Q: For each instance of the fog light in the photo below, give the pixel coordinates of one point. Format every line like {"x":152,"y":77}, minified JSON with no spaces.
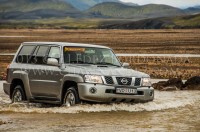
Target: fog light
{"x":151,"y":93}
{"x":93,"y":90}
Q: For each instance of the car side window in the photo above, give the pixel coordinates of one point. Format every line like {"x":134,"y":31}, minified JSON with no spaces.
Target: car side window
{"x":40,"y":55}
{"x":42,"y":51}
{"x":25,"y":54}
{"x":54,"y":53}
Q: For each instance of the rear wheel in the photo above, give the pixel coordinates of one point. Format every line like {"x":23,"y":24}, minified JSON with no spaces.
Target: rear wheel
{"x":18,"y":94}
{"x":71,"y":97}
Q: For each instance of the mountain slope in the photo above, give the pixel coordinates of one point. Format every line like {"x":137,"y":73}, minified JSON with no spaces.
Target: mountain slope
{"x":31,"y":5}
{"x":182,"y":22}
{"x":193,"y":10}
{"x":86,"y":4}
{"x":119,"y":10}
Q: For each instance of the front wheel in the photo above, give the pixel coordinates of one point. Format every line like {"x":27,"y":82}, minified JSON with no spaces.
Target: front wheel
{"x":71,"y":97}
{"x":18,"y":94}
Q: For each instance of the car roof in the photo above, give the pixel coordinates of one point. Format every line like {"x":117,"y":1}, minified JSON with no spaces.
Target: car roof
{"x":65,"y":44}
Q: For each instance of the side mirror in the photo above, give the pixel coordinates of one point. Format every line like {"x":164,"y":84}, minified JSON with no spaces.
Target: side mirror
{"x":52,"y":61}
{"x":125,"y":65}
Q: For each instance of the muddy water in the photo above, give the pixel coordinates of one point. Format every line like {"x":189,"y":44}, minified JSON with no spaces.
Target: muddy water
{"x":170,"y":111}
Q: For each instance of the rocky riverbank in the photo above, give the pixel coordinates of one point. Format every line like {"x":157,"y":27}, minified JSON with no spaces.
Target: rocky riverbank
{"x":177,"y":84}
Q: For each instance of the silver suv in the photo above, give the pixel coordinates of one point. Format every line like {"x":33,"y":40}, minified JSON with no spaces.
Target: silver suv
{"x":68,"y":73}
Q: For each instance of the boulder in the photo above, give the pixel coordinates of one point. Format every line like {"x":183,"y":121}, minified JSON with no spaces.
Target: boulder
{"x":192,"y":84}
{"x":193,"y":80}
{"x":159,"y":85}
{"x":170,"y":85}
{"x":174,"y":82}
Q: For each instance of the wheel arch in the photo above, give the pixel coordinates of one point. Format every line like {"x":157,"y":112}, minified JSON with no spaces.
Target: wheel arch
{"x":66,"y":85}
{"x":22,"y":76}
{"x":15,"y":82}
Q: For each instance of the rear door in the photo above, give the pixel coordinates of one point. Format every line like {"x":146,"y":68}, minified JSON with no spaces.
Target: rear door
{"x":37,"y":64}
{"x":51,"y":76}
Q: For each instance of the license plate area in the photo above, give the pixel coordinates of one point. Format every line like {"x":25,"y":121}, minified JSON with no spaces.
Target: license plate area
{"x":126,"y":91}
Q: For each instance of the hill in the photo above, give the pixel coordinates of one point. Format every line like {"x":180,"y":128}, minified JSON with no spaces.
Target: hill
{"x":119,"y":10}
{"x":31,"y":5}
{"x":86,"y":4}
{"x":181,"y":22}
{"x":193,"y":10}
{"x":34,"y":9}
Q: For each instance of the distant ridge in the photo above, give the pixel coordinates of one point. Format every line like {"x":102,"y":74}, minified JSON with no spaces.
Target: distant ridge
{"x":31,"y":5}
{"x":193,"y":10}
{"x":86,"y":4}
{"x":119,"y":10}
{"x":36,"y":9}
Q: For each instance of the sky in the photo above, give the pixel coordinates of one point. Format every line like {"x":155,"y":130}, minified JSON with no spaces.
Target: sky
{"x":175,"y":3}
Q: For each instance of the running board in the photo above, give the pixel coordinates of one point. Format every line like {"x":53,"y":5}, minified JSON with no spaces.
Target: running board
{"x":41,"y":99}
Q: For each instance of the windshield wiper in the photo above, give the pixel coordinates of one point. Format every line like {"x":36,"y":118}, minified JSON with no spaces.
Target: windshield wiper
{"x":106,"y":63}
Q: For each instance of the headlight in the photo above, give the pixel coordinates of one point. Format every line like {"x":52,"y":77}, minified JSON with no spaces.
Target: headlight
{"x":93,"y":79}
{"x":146,"y":82}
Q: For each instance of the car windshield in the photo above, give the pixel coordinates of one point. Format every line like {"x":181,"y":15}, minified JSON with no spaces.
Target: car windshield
{"x":90,"y":55}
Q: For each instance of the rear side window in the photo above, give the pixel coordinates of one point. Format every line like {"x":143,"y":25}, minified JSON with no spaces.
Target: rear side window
{"x":42,"y":51}
{"x":26,"y":50}
{"x":40,"y":55}
{"x":24,"y":54}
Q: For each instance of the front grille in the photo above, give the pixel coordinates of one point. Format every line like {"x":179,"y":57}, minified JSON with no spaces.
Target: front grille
{"x":137,"y":81}
{"x":109,"y":80}
{"x":124,"y":81}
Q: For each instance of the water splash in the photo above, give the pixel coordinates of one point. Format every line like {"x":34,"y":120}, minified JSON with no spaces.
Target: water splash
{"x":163,"y":100}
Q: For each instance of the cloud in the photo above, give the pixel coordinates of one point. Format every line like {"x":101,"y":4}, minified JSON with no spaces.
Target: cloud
{"x":175,"y":3}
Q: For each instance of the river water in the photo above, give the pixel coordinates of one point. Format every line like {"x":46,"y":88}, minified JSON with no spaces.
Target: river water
{"x":170,"y":111}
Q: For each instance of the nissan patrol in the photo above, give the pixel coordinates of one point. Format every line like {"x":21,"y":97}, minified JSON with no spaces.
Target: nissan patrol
{"x":68,"y":73}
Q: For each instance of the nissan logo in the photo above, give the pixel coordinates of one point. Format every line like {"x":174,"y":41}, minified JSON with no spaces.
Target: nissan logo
{"x":124,"y":81}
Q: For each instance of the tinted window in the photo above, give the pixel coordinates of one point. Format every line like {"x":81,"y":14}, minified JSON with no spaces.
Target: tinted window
{"x":26,"y":50}
{"x":39,"y":56}
{"x":42,"y":51}
{"x":24,"y":54}
{"x":35,"y":52}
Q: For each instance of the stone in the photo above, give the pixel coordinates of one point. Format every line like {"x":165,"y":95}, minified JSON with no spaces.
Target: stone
{"x":192,"y":84}
{"x":172,"y":84}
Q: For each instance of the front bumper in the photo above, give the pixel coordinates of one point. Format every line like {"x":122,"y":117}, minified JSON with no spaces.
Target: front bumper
{"x":6,"y":88}
{"x":104,"y":93}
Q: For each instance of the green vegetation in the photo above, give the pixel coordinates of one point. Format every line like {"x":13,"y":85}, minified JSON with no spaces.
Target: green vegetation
{"x":52,"y":23}
{"x":181,"y":22}
{"x":188,"y":21}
